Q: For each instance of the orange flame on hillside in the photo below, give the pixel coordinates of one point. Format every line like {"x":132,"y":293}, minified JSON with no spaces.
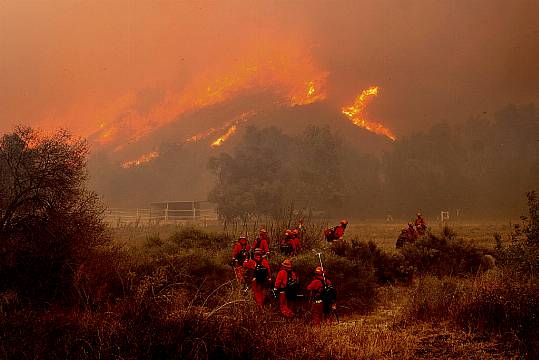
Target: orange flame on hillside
{"x":145,"y":158}
{"x":231,"y":130}
{"x":356,"y":114}
{"x":234,"y":122}
{"x":290,"y":75}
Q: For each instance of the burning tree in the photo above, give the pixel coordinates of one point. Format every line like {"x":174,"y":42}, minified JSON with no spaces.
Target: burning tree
{"x":48,"y":220}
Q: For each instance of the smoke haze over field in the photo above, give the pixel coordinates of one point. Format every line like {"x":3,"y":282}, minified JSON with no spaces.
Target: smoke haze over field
{"x":81,"y":64}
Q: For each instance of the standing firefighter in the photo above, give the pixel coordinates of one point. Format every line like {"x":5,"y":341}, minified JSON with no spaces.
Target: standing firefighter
{"x":285,"y":243}
{"x":420,"y":225}
{"x":258,"y":275}
{"x":295,"y":242}
{"x":240,"y":253}
{"x":261,"y":243}
{"x":323,"y":296}
{"x":286,"y":287}
{"x":412,"y":234}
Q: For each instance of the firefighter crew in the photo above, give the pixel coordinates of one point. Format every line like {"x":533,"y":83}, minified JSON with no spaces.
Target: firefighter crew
{"x":316,"y":287}
{"x":240,"y":253}
{"x":286,"y":284}
{"x":258,"y":275}
{"x":261,"y":243}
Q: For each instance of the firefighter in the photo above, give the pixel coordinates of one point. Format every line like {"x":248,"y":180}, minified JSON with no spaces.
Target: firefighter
{"x":261,"y":243}
{"x":322,"y":296}
{"x":338,"y":231}
{"x":284,"y":245}
{"x":412,"y":234}
{"x":263,"y":234}
{"x":240,"y":253}
{"x":286,"y":287}
{"x":295,"y":242}
{"x":420,"y":225}
{"x":258,"y":275}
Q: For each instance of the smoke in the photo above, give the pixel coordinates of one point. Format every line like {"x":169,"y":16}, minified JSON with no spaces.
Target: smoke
{"x":87,"y":65}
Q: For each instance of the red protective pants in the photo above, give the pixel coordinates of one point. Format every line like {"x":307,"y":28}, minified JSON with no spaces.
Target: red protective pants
{"x":317,"y":313}
{"x":259,"y":293}
{"x":238,"y":270}
{"x":283,"y":305}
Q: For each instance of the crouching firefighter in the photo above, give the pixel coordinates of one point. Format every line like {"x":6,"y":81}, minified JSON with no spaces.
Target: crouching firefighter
{"x":258,"y":276}
{"x":323,"y":296}
{"x":286,"y":287}
{"x":240,"y":254}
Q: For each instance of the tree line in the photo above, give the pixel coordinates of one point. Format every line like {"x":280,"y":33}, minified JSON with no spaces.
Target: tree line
{"x":482,"y":167}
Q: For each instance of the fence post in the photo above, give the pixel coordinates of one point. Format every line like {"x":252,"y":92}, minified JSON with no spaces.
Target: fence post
{"x":166,"y":213}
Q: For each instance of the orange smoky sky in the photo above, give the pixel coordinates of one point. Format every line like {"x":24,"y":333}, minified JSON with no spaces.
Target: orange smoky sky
{"x":80,"y":65}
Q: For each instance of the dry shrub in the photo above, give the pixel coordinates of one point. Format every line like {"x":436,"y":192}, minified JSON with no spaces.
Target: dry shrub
{"x":443,"y":256}
{"x":495,"y":302}
{"x":191,"y":237}
{"x":388,"y":268}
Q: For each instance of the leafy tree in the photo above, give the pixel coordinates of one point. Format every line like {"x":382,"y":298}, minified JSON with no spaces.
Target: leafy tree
{"x":49,"y":222}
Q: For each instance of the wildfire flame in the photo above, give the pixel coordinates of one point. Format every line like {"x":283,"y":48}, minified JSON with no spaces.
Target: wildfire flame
{"x":234,"y":122}
{"x":231,"y":130}
{"x":356,"y":114}
{"x":141,"y":160}
{"x":288,"y":73}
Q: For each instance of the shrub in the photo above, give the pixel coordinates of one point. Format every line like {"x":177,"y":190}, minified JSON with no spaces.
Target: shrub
{"x":492,"y":303}
{"x":192,"y":237}
{"x":388,"y":268}
{"x":443,"y":255}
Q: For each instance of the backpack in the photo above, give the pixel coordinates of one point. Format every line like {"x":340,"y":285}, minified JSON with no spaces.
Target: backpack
{"x":261,"y":273}
{"x":328,"y":295}
{"x":329,"y":234}
{"x":243,"y":254}
{"x":292,"y":287}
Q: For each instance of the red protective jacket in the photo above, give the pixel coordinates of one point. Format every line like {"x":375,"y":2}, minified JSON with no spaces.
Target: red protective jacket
{"x":282,"y":278}
{"x":338,"y":231}
{"x":261,"y":244}
{"x":238,"y":247}
{"x":316,"y":286}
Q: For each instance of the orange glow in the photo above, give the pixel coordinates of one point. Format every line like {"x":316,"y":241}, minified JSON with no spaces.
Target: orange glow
{"x":225,"y":137}
{"x":288,"y":74}
{"x":356,"y":113}
{"x":145,"y":158}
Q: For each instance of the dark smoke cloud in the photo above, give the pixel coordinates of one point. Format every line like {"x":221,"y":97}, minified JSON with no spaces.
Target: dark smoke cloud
{"x":73,"y":64}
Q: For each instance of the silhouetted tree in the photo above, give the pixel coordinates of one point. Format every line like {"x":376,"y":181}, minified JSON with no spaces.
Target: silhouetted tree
{"x":48,"y":220}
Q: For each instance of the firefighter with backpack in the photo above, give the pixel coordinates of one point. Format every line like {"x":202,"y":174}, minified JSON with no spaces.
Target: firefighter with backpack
{"x":286,"y":287}
{"x":240,"y":254}
{"x":285,"y":243}
{"x":323,"y":296}
{"x":337,"y":233}
{"x":257,"y":275}
{"x":261,"y":243}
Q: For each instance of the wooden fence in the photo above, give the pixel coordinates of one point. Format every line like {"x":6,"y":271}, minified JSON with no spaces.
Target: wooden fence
{"x":145,"y":217}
